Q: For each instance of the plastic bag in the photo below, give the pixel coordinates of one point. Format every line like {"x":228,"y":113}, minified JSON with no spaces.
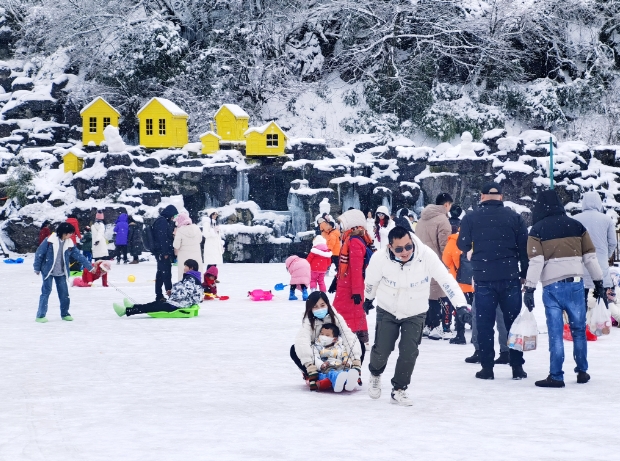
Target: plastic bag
{"x":600,"y":319}
{"x":524,"y":332}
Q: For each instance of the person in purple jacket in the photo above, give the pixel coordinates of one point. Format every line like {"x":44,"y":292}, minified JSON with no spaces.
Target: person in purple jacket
{"x":121,"y":229}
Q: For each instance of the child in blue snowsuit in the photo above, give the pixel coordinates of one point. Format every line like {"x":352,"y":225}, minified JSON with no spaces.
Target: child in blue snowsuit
{"x":334,"y":366}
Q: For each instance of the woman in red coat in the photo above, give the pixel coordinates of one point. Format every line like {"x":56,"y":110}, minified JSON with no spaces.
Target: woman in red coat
{"x":45,"y":231}
{"x":102,"y":269}
{"x":350,"y":285}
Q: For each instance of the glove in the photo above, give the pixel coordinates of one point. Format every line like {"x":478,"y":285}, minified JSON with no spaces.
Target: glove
{"x":368,"y":306}
{"x":332,"y":287}
{"x":600,"y":292}
{"x":357,"y":365}
{"x":357,"y":299}
{"x":528,"y":298}
{"x":463,"y":314}
{"x":312,"y":372}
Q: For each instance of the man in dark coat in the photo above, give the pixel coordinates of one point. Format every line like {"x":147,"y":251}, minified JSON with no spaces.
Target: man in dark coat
{"x":163,"y":236}
{"x":134,"y":240}
{"x":498,"y":237}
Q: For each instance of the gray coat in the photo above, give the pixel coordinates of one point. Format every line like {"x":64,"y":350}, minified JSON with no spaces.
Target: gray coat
{"x":602,"y":232}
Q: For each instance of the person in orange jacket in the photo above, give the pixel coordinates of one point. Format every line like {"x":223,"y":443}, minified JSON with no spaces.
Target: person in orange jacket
{"x":332,"y":238}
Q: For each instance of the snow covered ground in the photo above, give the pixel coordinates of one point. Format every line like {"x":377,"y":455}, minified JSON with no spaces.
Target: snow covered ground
{"x":222,"y":387}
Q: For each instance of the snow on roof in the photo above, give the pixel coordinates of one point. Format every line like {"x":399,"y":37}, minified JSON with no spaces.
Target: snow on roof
{"x":99,"y":98}
{"x":209,"y":133}
{"x":262,"y":129}
{"x":235,"y":110}
{"x":75,"y":151}
{"x":171,"y":107}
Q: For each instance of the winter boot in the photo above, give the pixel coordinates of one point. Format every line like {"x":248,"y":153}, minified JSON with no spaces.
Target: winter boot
{"x":518,"y":372}
{"x":503,"y":359}
{"x":549,"y":382}
{"x":292,"y":296}
{"x":374,"y":388}
{"x":120,"y":310}
{"x":127,"y":303}
{"x":485,"y":373}
{"x":459,"y":339}
{"x":41,"y":320}
{"x":341,"y":380}
{"x":353,"y":376}
{"x":67,"y":318}
{"x":324,"y":385}
{"x":400,"y":397}
{"x":304,"y":294}
{"x":474,"y":358}
{"x":583,"y":377}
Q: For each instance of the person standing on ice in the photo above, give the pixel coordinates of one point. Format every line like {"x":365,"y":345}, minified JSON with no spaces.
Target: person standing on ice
{"x":121,"y":229}
{"x":332,"y":239}
{"x":603,"y":234}
{"x":433,"y":229}
{"x":381,"y":227}
{"x":187,"y":240}
{"x":163,"y":236}
{"x":213,"y":249}
{"x":300,"y":271}
{"x":100,"y":249}
{"x":398,"y":279}
{"x":349,"y":282}
{"x":559,"y":247}
{"x":51,"y":260}
{"x":135,"y":244}
{"x":45,"y":231}
{"x":320,"y":258}
{"x":498,"y":237}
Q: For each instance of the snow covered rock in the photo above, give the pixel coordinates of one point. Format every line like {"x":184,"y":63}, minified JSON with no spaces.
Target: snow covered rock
{"x":22,"y":83}
{"x":308,"y":149}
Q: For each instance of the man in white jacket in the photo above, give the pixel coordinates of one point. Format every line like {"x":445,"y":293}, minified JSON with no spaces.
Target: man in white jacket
{"x":398,"y":278}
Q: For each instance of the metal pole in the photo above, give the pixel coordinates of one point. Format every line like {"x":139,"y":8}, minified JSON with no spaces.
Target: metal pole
{"x":551,"y":161}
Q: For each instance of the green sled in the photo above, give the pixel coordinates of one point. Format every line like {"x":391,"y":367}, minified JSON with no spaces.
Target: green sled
{"x":184,"y":313}
{"x":75,"y":273}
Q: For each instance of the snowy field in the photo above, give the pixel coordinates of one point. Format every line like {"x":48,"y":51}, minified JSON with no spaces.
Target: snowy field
{"x":222,"y":387}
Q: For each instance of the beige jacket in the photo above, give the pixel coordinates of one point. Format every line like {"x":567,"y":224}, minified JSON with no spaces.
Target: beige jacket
{"x":187,"y":240}
{"x":433,"y":229}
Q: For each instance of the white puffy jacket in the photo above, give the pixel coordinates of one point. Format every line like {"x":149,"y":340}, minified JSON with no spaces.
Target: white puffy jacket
{"x":403,"y":290}
{"x":306,"y":338}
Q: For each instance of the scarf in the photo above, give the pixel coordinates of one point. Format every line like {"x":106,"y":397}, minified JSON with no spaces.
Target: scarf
{"x":343,"y":267}
{"x":382,"y":223}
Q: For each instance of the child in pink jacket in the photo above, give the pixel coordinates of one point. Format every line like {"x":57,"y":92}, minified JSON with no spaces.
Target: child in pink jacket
{"x":320,"y":258}
{"x":299,"y":269}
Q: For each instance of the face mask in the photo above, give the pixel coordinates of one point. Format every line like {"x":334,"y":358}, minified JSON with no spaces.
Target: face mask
{"x":325,"y":340}
{"x":320,"y":313}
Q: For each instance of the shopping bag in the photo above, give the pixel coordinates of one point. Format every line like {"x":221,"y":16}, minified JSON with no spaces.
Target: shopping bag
{"x":524,"y":332}
{"x":600,"y":319}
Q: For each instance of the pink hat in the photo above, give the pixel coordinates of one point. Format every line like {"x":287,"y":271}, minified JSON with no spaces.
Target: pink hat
{"x":183,"y":219}
{"x":99,"y":215}
{"x":212,"y":271}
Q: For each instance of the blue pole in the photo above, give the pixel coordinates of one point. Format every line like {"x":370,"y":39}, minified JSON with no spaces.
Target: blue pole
{"x":551,"y":161}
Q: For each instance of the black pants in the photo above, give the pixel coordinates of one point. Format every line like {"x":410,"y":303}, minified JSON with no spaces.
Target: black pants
{"x":301,"y":288}
{"x":155,"y":306}
{"x":435,"y":313}
{"x":164,"y":275}
{"x":301,"y":365}
{"x":121,"y":249}
{"x":336,"y":261}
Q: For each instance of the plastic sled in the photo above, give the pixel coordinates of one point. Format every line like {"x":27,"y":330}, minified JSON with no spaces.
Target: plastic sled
{"x":183,"y":313}
{"x":210,"y":297}
{"x":260,"y":295}
{"x":567,"y":335}
{"x":75,"y":273}
{"x":280,"y":287}
{"x":14,"y":261}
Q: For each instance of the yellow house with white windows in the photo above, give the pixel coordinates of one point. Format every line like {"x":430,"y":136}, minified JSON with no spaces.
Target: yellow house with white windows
{"x":232,"y":122}
{"x":266,"y":140}
{"x":95,"y":117}
{"x":210,"y":142}
{"x":73,"y":160}
{"x":163,"y":124}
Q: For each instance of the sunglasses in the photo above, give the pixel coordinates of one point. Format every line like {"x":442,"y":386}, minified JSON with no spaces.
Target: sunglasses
{"x":407,"y":247}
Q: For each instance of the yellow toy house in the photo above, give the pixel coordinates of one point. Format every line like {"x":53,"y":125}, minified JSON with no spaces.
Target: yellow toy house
{"x":210,"y":142}
{"x":73,"y":160}
{"x":232,"y":121}
{"x":95,"y":117}
{"x":163,"y":124}
{"x":266,"y":140}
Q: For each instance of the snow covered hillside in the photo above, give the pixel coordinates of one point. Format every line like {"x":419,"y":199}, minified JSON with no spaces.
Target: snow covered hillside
{"x":221,"y":386}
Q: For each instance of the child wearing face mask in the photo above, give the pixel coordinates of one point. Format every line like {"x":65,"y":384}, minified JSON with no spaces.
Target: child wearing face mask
{"x":333,"y":361}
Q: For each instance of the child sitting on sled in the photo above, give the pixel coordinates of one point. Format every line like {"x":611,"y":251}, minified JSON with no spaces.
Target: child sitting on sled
{"x":101,"y":272}
{"x":184,"y":294}
{"x":334,"y":368}
{"x":210,"y":283}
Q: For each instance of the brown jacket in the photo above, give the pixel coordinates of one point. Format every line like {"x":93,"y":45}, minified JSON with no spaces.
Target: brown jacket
{"x":433,"y":229}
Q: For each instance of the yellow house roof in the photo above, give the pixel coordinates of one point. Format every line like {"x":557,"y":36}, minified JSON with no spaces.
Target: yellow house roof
{"x":237,"y":111}
{"x":209,"y":133}
{"x":79,"y":153}
{"x":171,"y":107}
{"x":262,"y":129}
{"x":99,"y":98}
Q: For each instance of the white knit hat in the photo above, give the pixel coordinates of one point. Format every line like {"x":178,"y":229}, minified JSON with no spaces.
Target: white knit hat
{"x":352,"y":218}
{"x":319,"y":240}
{"x":383,"y":209}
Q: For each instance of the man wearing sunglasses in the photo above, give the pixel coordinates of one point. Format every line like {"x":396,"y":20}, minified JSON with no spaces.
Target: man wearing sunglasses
{"x":398,"y":280}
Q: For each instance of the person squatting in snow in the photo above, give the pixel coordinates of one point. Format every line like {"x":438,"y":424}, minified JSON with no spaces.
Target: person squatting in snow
{"x":319,"y":313}
{"x":52,"y":261}
{"x":101,"y":269}
{"x":320,"y":259}
{"x":209,"y":283}
{"x":183,"y":294}
{"x":398,"y":280}
{"x":300,"y":271}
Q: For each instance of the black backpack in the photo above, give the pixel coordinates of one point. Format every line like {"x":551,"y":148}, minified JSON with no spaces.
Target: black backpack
{"x":465,"y":273}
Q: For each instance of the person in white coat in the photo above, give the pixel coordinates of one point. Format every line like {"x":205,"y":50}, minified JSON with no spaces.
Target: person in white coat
{"x":213,"y":249}
{"x":100,"y":246}
{"x":398,"y":279}
{"x":380,"y":227}
{"x":187,"y":240}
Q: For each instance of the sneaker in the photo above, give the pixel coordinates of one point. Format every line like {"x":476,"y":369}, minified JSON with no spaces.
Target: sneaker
{"x":583,"y":377}
{"x":518,"y":372}
{"x":485,"y":373}
{"x":426,"y":331}
{"x":341,"y":379}
{"x":67,"y":318}
{"x":549,"y":382}
{"x":41,"y":320}
{"x":503,"y":359}
{"x":292,"y":297}
{"x":127,"y":303}
{"x":400,"y":397}
{"x":120,"y":310}
{"x":353,"y":376}
{"x":474,"y":358}
{"x":374,"y":388}
{"x":459,"y":339}
{"x":437,"y":334}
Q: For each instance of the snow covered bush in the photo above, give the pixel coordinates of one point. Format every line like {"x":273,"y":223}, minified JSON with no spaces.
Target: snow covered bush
{"x":18,"y":185}
{"x":384,"y":126}
{"x":536,"y":103}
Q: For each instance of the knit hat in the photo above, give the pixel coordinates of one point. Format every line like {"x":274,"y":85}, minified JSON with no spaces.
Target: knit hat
{"x":106,"y":266}
{"x":383,"y":209}
{"x":183,"y":219}
{"x":352,"y":218}
{"x":212,"y":271}
{"x":99,"y":215}
{"x":319,"y":240}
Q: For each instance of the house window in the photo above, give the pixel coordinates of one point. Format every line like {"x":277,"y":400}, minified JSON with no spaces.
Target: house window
{"x":149,"y":126}
{"x":272,"y":140}
{"x":106,"y":122}
{"x":93,"y":124}
{"x":162,"y":126}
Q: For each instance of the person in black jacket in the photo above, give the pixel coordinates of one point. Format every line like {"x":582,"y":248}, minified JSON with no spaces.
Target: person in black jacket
{"x":163,"y":236}
{"x":134,"y":240}
{"x":402,"y":220}
{"x":498,"y":237}
{"x":455,"y":218}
